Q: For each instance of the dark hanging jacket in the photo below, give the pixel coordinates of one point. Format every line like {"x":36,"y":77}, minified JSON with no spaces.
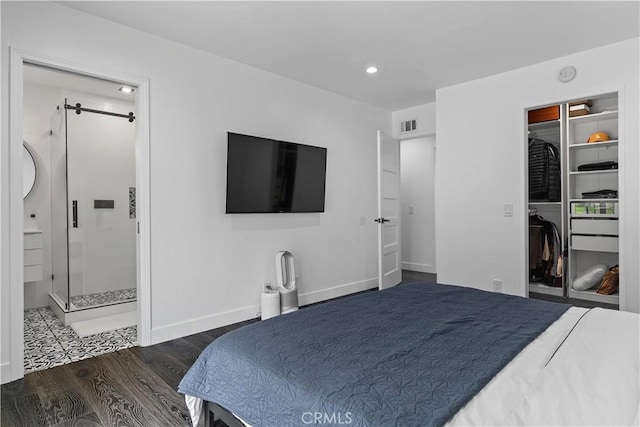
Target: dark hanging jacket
{"x":544,"y":171}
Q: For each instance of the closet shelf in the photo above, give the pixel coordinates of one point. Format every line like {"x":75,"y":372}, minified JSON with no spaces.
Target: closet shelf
{"x":592,"y":295}
{"x":594,"y":144}
{"x":545,"y":125}
{"x":593,"y":200}
{"x":595,"y":116}
{"x":604,"y":171}
{"x":541,"y":288}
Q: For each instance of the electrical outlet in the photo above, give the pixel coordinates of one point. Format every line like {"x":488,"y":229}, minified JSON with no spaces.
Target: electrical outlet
{"x":497,"y":285}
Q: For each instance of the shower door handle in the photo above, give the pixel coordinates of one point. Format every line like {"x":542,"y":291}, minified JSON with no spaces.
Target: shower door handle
{"x":75,"y":213}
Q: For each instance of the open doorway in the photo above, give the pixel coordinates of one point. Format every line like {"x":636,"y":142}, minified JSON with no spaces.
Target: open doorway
{"x":417,"y":160}
{"x":79,"y":218}
{"x":31,"y":219}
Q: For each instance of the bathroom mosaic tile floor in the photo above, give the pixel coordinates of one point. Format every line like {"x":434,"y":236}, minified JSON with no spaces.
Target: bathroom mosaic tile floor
{"x":48,"y":342}
{"x":102,"y":298}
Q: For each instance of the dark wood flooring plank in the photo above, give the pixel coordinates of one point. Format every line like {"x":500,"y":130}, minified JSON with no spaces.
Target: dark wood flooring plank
{"x":18,"y":388}
{"x":218,"y":332}
{"x":86,"y":420}
{"x":417,"y":276}
{"x":59,"y":394}
{"x":111,"y":402}
{"x":188,"y":348}
{"x":154,"y":395}
{"x":167,"y":367}
{"x":181,"y":349}
{"x":23,"y":411}
{"x":200,"y":341}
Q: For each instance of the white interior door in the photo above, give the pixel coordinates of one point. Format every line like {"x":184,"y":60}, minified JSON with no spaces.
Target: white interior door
{"x":389,"y":259}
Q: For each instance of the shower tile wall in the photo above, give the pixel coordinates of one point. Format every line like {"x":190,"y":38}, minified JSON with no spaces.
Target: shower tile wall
{"x":48,"y":343}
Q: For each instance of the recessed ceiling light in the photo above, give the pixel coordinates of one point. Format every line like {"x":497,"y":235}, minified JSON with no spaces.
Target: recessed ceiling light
{"x":126,"y":89}
{"x":372,"y":70}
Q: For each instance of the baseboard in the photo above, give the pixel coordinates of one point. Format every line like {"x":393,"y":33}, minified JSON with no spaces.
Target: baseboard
{"x":337,"y":291}
{"x":194,"y":326}
{"x":201,"y":324}
{"x":422,"y":268}
{"x":5,"y":373}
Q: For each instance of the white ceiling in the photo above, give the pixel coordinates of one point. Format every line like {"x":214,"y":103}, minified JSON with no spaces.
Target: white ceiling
{"x":417,"y":46}
{"x":64,"y":80}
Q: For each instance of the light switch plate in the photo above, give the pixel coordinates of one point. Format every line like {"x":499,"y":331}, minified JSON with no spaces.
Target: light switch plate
{"x":508,"y":210}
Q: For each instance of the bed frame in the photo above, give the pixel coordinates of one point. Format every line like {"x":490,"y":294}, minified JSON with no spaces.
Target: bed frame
{"x":214,"y":412}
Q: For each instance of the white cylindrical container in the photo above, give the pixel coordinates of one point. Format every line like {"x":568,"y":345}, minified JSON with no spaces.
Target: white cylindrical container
{"x":270,"y":304}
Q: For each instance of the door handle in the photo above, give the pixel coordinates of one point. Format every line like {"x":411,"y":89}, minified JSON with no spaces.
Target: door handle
{"x":75,"y":213}
{"x":381,"y":220}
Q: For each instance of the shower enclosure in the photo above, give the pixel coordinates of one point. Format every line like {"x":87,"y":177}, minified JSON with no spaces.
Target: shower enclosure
{"x":92,"y":205}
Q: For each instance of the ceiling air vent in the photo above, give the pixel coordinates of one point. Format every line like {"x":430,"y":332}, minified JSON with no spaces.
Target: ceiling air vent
{"x":408,"y":126}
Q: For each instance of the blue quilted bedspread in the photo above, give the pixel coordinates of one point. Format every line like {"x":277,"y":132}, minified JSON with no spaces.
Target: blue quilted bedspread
{"x":412,"y":355}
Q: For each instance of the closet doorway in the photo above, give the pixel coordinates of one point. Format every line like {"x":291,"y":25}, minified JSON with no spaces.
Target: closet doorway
{"x":575,"y":231}
{"x":417,"y":186}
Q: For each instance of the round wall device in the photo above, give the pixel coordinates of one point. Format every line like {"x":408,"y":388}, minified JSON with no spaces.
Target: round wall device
{"x":567,"y":74}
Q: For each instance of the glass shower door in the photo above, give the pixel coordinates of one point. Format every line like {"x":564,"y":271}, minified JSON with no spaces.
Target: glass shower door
{"x":102,"y":233}
{"x":92,"y":208}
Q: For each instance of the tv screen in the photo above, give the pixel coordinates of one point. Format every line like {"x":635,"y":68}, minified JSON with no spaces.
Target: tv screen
{"x":269,"y":176}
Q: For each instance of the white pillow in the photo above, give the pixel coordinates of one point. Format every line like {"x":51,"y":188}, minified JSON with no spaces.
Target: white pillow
{"x":591,"y":278}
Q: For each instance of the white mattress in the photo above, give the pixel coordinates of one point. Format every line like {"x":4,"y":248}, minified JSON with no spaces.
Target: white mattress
{"x":592,"y":378}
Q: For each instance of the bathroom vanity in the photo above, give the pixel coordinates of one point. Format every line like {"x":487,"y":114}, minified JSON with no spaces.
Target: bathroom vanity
{"x":32,"y":255}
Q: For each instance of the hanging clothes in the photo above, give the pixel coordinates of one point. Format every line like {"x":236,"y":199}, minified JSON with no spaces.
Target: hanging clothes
{"x":545,"y":252}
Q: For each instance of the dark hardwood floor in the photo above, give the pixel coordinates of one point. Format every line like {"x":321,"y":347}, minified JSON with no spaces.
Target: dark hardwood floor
{"x":132,"y":387}
{"x":416,"y":276}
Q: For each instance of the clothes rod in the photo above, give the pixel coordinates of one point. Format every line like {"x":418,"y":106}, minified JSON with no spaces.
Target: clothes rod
{"x":79,"y":108}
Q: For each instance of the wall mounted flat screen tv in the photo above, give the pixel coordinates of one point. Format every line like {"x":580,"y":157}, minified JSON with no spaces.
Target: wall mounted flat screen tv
{"x":270,"y":176}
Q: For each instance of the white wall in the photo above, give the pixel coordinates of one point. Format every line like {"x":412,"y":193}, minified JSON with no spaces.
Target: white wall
{"x":480,"y":165}
{"x":425,"y":115}
{"x":208,"y":267}
{"x":417,"y":160}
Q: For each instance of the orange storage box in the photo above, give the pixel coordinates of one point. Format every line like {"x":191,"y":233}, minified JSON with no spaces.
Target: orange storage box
{"x":544,"y":114}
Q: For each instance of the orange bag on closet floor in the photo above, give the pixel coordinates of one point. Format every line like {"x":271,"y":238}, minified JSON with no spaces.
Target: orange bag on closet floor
{"x":610,"y":281}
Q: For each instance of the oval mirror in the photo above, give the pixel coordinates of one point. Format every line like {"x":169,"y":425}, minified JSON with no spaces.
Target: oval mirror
{"x":28,"y":172}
